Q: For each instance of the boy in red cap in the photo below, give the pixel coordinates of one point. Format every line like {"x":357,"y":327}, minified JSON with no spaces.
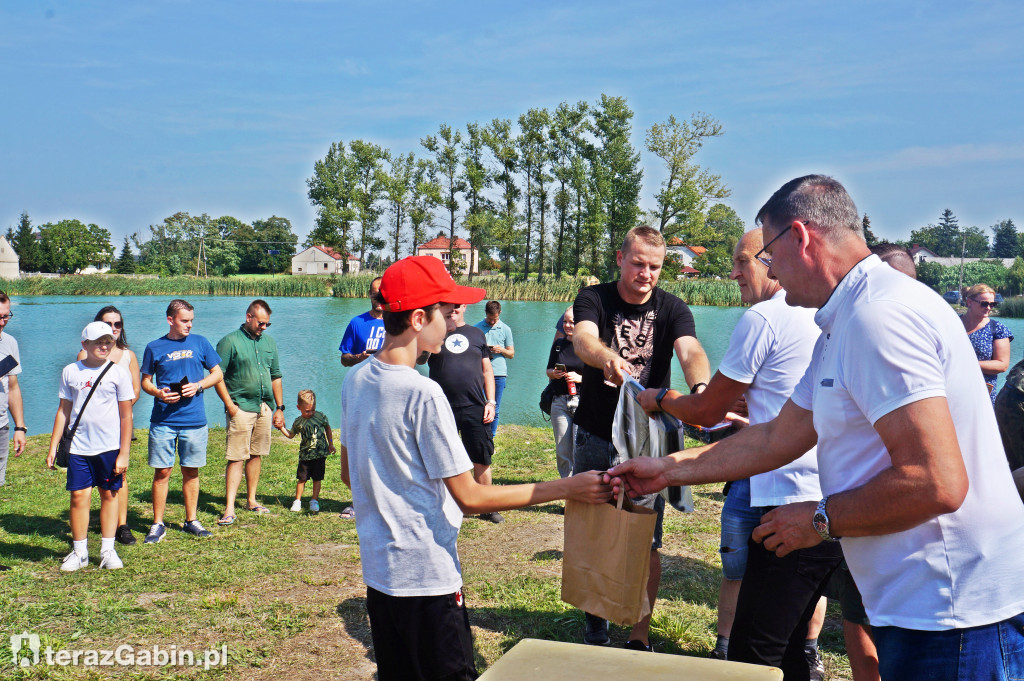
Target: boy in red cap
{"x":412,"y":480}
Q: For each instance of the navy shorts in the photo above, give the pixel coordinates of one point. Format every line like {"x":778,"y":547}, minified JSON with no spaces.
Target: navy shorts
{"x":93,"y":471}
{"x":311,"y":469}
{"x":476,"y":435}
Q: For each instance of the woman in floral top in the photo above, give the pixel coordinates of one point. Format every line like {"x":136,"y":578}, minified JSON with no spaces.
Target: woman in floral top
{"x":990,"y":338}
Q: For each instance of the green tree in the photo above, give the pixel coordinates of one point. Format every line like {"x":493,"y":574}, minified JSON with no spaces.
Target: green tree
{"x":1015,"y":277}
{"x":479,"y":217}
{"x":445,"y":148}
{"x":1005,"y":242}
{"x":498,"y":138}
{"x":869,"y":236}
{"x":272,"y":234}
{"x":715,"y":262}
{"x":425,"y":197}
{"x":686,"y":191}
{"x":398,"y":188}
{"x":367,"y":161}
{"x":724,"y":221}
{"x":126,"y":261}
{"x":533,"y":160}
{"x":69,"y":246}
{"x":973,"y":243}
{"x":979,"y":272}
{"x":943,"y":239}
{"x":930,"y":273}
{"x":616,"y":170}
{"x":332,"y":189}
{"x":565,"y":134}
{"x":27,"y":246}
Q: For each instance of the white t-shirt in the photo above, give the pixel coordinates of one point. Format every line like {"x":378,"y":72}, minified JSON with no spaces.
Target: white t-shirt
{"x":8,"y":346}
{"x":770,"y":349}
{"x":100,"y":428}
{"x":402,"y":442}
{"x":888,"y":341}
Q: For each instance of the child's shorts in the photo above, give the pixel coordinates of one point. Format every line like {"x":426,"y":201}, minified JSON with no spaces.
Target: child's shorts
{"x":311,"y":470}
{"x":93,"y":471}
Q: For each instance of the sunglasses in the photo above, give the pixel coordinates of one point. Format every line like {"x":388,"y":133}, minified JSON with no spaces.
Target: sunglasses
{"x":116,"y":325}
{"x":985,"y":303}
{"x":762,"y":255}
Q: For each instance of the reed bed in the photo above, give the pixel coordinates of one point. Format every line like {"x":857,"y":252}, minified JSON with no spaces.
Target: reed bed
{"x":113,"y":285}
{"x":1012,"y":307}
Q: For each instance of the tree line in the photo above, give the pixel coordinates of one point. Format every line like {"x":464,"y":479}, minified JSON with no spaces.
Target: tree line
{"x":553,"y":191}
{"x":181,"y":244}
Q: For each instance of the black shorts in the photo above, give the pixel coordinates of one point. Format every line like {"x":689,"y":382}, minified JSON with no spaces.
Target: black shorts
{"x":420,"y":637}
{"x":476,"y":435}
{"x":310,"y":470}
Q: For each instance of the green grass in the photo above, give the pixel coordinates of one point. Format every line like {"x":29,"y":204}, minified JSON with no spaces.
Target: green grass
{"x":114,"y":285}
{"x":284,"y":592}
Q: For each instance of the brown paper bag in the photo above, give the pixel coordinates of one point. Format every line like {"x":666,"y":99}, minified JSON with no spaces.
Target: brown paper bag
{"x":607,"y":559}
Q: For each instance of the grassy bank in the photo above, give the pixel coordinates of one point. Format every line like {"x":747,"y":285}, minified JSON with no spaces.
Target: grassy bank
{"x":114,"y":285}
{"x":284,"y":592}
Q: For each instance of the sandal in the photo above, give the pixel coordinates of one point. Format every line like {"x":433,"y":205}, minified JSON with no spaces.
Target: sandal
{"x":259,"y":510}
{"x":348,"y":514}
{"x":226,"y":520}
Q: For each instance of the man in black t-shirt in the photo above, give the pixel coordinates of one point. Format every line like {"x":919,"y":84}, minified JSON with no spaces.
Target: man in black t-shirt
{"x":630,"y":327}
{"x":463,"y":370}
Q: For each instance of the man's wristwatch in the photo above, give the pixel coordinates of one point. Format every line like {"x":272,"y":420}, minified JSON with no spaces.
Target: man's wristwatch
{"x":821,"y":522}
{"x":280,"y":407}
{"x":492,"y":402}
{"x":660,"y":397}
{"x":694,"y":387}
{"x":22,"y":429}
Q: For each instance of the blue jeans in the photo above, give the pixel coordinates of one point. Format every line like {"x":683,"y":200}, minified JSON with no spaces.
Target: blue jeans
{"x":994,"y":652}
{"x":499,"y":388}
{"x":738,"y":522}
{"x":190,"y":444}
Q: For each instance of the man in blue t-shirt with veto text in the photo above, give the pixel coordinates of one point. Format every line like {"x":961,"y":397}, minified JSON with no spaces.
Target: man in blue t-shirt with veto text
{"x":364,"y":333}
{"x":172,"y":372}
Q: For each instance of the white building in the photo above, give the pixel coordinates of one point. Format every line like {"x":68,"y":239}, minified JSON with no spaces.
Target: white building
{"x":439,"y":249}
{"x":323,"y":260}
{"x":9,"y":262}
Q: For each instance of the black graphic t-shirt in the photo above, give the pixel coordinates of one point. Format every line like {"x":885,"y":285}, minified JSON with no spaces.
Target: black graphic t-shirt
{"x":458,"y":368}
{"x":644,"y":335}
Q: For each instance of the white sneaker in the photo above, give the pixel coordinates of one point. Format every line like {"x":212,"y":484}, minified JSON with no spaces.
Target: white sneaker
{"x":109,"y":560}
{"x":314,"y":506}
{"x":297,"y":505}
{"x":73,"y":561}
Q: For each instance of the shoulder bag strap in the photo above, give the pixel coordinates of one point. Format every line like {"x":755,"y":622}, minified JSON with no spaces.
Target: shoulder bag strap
{"x":89,"y":397}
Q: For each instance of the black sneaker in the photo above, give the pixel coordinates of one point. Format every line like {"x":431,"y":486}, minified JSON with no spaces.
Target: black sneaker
{"x":636,"y":644}
{"x":124,"y":535}
{"x":814,"y":664}
{"x":494,"y":517}
{"x":597,"y":631}
{"x":193,"y":527}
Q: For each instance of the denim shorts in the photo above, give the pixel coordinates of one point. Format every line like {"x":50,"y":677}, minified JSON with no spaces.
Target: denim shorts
{"x":593,"y":453}
{"x":189,"y":442}
{"x":93,"y":471}
{"x":738,"y":522}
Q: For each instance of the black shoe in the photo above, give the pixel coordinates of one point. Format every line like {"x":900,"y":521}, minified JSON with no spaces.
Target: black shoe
{"x":638,"y":645}
{"x":597,"y":631}
{"x":718,"y":654}
{"x":124,"y":535}
{"x":814,"y":664}
{"x":494,"y":517}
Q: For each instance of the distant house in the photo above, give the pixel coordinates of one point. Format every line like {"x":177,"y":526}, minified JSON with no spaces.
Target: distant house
{"x":323,"y":260}
{"x":922,"y":254}
{"x":439,"y":249}
{"x":95,"y":268}
{"x":10,"y":267}
{"x":686,"y":254}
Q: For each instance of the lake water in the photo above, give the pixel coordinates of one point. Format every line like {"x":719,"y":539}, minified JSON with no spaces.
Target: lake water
{"x":308,"y":331}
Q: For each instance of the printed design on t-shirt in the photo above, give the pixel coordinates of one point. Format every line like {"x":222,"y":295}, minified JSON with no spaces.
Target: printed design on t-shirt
{"x":179,"y":354}
{"x":456,"y":343}
{"x":633,"y":341}
{"x":375,"y":340}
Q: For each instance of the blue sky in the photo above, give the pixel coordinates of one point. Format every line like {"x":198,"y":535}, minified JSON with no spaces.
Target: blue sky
{"x":124,"y":113}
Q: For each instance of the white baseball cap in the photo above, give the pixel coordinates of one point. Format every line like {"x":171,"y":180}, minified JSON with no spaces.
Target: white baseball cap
{"x":96,"y":330}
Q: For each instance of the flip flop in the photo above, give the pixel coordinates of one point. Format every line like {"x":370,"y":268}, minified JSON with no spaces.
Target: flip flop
{"x":259,"y":510}
{"x":226,"y":520}
{"x":348,"y":514}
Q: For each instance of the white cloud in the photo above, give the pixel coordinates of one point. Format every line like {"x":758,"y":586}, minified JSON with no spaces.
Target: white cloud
{"x":910,"y":158}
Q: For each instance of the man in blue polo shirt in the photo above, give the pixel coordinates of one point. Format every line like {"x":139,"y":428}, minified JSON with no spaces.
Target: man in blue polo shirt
{"x":172,"y":372}
{"x":499,"y":342}
{"x":364,"y":333}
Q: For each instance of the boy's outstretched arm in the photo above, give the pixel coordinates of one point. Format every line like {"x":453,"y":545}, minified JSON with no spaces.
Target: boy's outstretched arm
{"x":287,"y":433}
{"x":474,"y":498}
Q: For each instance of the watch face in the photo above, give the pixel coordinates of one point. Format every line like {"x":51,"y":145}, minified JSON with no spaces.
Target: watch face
{"x":820,"y":522}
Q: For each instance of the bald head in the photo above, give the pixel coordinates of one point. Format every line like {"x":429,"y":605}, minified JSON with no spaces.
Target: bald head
{"x":749,"y":272}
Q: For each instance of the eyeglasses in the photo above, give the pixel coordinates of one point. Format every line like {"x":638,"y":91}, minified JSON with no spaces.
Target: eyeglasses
{"x":763,"y":256}
{"x":116,"y":325}
{"x":985,"y":303}
{"x":6,"y":317}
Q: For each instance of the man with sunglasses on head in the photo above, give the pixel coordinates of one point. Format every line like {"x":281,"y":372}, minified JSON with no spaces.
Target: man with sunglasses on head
{"x":909,"y":456}
{"x":10,"y":392}
{"x":253,"y":398}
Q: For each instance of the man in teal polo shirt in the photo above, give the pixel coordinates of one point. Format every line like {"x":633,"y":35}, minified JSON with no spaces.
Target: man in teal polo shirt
{"x":499,"y":340}
{"x":253,"y":399}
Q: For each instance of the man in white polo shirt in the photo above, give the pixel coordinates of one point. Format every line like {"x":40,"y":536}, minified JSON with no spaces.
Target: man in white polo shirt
{"x":910,"y":460}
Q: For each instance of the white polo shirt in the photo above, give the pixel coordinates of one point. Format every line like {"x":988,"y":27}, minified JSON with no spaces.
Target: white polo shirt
{"x":888,"y":341}
{"x":770,"y":349}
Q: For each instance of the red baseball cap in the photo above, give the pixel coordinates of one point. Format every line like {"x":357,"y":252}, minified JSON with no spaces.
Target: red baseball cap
{"x":422,"y":280}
